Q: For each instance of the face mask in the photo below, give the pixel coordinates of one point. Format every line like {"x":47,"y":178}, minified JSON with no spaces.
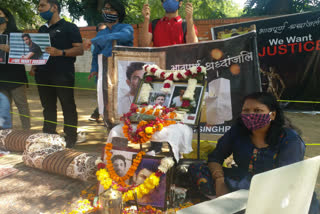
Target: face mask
{"x":47,"y":15}
{"x":2,"y":20}
{"x":255,"y":121}
{"x":171,"y":6}
{"x":109,"y":18}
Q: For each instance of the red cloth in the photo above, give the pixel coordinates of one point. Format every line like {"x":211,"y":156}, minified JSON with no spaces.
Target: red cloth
{"x":168,"y":32}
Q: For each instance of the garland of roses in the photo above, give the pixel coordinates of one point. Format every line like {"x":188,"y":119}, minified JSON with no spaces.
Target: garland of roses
{"x":192,"y":75}
{"x":131,"y":171}
{"x":149,"y":184}
{"x":146,"y":129}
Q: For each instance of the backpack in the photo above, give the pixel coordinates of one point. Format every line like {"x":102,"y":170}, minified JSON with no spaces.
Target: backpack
{"x":184,"y":28}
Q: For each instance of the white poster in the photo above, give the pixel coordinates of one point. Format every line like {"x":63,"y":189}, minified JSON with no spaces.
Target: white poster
{"x":29,"y":48}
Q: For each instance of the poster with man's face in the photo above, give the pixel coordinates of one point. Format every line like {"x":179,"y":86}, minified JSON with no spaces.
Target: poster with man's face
{"x":29,"y":48}
{"x":129,"y":75}
{"x":3,"y":43}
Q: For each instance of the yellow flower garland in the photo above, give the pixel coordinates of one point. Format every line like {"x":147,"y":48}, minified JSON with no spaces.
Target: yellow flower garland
{"x":143,"y":189}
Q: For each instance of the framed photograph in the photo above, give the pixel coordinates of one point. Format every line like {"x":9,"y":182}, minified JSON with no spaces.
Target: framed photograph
{"x":124,"y":73}
{"x":158,"y":196}
{"x":174,"y":99}
{"x":3,"y":54}
{"x":29,"y":48}
{"x":121,"y":160}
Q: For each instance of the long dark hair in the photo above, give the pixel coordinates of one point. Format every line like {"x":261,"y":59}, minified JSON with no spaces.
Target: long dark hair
{"x":11,"y":24}
{"x":277,"y":125}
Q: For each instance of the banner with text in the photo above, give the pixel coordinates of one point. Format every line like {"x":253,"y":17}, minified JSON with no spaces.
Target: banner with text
{"x":289,"y":53}
{"x":232,"y":68}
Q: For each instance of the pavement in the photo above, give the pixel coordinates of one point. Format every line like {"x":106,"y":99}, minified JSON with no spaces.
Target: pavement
{"x":29,"y":190}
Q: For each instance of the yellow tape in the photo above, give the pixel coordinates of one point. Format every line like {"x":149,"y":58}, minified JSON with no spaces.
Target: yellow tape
{"x":297,"y":101}
{"x":56,"y":86}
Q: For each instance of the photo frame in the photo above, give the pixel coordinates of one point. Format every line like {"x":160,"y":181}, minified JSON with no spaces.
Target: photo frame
{"x":158,"y":197}
{"x":121,"y":89}
{"x":122,"y":160}
{"x":3,"y":54}
{"x":174,"y":97}
{"x":29,"y":48}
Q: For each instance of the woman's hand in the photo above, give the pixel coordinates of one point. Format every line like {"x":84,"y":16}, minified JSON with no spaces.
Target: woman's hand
{"x":221,"y":187}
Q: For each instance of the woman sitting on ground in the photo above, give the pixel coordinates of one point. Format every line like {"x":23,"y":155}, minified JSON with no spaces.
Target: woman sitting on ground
{"x":262,"y":139}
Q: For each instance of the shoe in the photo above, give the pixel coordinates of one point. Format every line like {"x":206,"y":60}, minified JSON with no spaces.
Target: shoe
{"x":93,"y":119}
{"x":81,"y":137}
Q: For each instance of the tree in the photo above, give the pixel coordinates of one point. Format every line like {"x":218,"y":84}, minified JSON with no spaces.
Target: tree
{"x":277,"y":7}
{"x":25,"y":11}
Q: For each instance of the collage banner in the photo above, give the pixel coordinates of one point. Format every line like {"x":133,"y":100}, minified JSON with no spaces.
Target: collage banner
{"x":289,"y":53}
{"x":232,"y":72}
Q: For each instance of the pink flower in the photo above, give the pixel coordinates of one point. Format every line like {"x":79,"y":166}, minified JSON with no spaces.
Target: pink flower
{"x":185,"y":104}
{"x":162,"y":75}
{"x":153,"y":70}
{"x":167,"y":85}
{"x":145,"y":68}
{"x":149,"y":79}
{"x":199,"y":69}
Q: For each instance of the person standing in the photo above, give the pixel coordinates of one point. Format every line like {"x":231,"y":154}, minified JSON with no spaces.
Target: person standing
{"x":169,"y":30}
{"x":13,"y":78}
{"x":57,"y":76}
{"x":113,"y":14}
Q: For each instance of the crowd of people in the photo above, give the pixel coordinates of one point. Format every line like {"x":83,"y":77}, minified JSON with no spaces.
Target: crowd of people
{"x":260,"y":140}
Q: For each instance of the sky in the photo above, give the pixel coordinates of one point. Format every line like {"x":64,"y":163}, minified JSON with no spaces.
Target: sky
{"x":83,"y":23}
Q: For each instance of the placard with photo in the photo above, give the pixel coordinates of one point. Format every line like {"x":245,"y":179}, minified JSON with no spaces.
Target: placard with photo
{"x":29,"y":48}
{"x":3,"y":43}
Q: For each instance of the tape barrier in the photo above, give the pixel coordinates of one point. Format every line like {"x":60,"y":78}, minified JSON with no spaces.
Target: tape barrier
{"x":55,"y":86}
{"x":307,"y":144}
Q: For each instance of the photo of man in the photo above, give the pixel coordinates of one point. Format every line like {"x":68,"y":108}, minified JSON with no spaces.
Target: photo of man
{"x":177,"y":100}
{"x":157,"y":196}
{"x":35,"y":51}
{"x":160,"y":99}
{"x":119,"y":164}
{"x":134,"y":73}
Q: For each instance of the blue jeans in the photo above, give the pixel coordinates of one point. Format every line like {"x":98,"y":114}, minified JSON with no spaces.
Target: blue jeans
{"x":5,"y":116}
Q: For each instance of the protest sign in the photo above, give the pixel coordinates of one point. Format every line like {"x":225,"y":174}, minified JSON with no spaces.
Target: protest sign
{"x":289,"y":53}
{"x":231,"y":62}
{"x":29,"y":48}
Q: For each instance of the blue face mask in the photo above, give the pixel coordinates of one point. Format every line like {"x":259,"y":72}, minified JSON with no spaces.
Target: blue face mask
{"x":2,"y":20}
{"x":47,"y":15}
{"x":170,"y":6}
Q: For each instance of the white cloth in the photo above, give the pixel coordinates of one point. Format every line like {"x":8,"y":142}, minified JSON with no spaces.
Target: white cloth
{"x":100,"y":85}
{"x":177,"y":101}
{"x":179,"y":136}
{"x":218,"y":103}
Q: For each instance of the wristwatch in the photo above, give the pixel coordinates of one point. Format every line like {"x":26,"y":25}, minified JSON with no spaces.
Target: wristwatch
{"x":63,"y":53}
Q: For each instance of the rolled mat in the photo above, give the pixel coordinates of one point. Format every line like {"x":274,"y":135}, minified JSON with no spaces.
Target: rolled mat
{"x":16,"y":140}
{"x":59,"y":161}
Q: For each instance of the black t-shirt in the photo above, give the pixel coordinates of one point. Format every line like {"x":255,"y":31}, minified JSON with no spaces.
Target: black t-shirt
{"x":36,"y":50}
{"x":59,"y":68}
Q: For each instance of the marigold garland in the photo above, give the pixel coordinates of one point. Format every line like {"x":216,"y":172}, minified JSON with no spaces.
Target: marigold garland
{"x":143,"y":189}
{"x":130,"y":172}
{"x":163,"y":117}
